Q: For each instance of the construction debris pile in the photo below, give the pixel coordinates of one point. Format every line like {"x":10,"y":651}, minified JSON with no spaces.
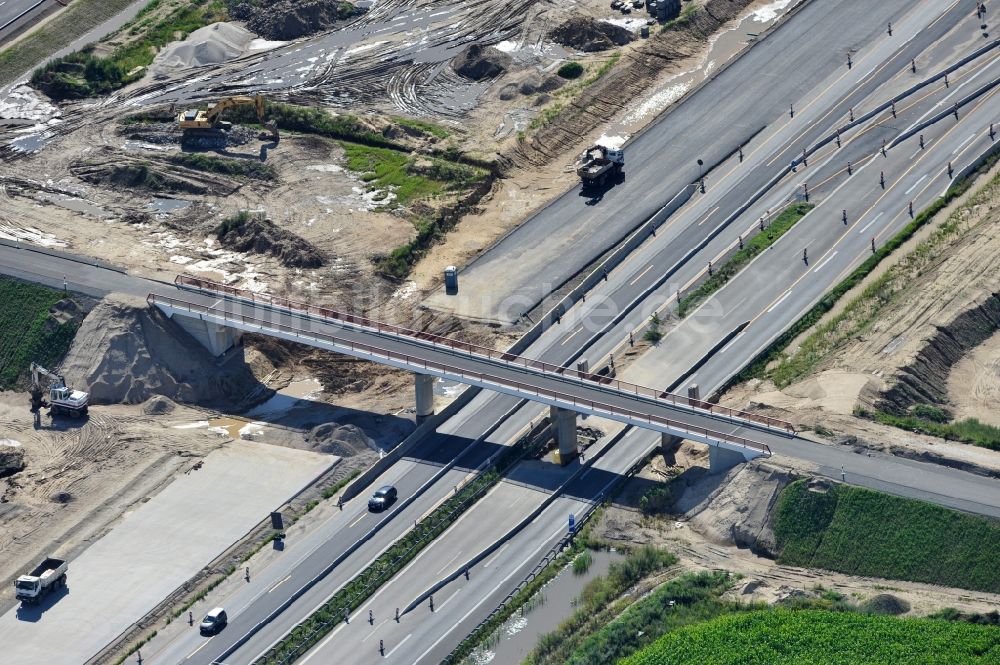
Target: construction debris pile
{"x":285,"y":19}
{"x":588,"y":35}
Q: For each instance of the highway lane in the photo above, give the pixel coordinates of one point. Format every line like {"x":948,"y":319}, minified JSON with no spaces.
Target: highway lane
{"x":434,"y":630}
{"x":12,"y":9}
{"x":963,"y":489}
{"x":789,"y":67}
{"x":55,"y":278}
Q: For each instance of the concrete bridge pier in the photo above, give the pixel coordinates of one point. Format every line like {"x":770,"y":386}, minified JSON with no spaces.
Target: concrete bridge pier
{"x":424,"y":384}
{"x":722,"y":459}
{"x":217,"y":339}
{"x":564,"y":425}
{"x":668,"y":447}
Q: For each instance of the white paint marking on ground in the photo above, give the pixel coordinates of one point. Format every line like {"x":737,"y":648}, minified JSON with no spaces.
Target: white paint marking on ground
{"x":733,"y":341}
{"x":398,"y":645}
{"x":914,"y":185}
{"x":865,"y":227}
{"x":824,"y":262}
{"x":780,"y":300}
{"x":448,"y":563}
{"x":971,"y":136}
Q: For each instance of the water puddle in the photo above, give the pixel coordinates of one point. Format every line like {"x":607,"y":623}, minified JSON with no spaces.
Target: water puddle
{"x":294,"y":395}
{"x":553,"y":605}
{"x":167,"y":206}
{"x":31,"y":142}
{"x":75,"y":204}
{"x":721,"y":49}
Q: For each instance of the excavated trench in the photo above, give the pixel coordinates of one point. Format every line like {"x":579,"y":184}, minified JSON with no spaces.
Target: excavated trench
{"x":925,"y":379}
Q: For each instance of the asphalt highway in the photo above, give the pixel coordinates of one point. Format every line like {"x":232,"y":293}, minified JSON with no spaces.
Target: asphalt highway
{"x":423,"y":636}
{"x":561,"y":344}
{"x":800,"y":65}
{"x":12,"y":9}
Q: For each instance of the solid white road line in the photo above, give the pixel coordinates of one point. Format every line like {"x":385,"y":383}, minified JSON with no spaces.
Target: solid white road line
{"x":824,"y":262}
{"x":780,"y":300}
{"x":917,"y":183}
{"x":865,"y":227}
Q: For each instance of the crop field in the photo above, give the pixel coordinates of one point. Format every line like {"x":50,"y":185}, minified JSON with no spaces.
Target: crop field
{"x":28,"y":332}
{"x":861,"y":532}
{"x":803,"y":637}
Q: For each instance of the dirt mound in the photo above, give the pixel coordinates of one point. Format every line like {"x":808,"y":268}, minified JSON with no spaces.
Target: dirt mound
{"x":11,"y":457}
{"x":340,"y":440}
{"x":158,"y":405}
{"x":211,"y":45}
{"x":478,"y":63}
{"x":588,"y":35}
{"x":291,"y":19}
{"x":127,"y":352}
{"x":735,"y":508}
{"x":885,"y":603}
{"x":249,"y":233}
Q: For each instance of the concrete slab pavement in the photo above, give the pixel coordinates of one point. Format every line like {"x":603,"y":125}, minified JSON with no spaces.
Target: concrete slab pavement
{"x":154,"y":549}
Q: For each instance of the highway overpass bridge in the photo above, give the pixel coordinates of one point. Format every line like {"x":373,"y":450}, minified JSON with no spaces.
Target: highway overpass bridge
{"x":217,"y":315}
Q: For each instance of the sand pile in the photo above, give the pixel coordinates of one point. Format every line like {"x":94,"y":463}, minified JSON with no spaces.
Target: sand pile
{"x":340,"y":440}
{"x":125,"y":352}
{"x":586,"y":34}
{"x":478,"y":63}
{"x":211,"y":45}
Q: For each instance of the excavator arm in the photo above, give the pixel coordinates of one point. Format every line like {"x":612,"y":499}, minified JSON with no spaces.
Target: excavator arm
{"x":192,"y":120}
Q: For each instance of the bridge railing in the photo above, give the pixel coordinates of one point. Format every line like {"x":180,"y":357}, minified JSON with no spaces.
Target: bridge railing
{"x":479,"y":378}
{"x":482,"y":351}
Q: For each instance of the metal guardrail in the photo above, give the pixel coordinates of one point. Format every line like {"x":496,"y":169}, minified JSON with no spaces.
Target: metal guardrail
{"x":486,"y":380}
{"x":484,"y":352}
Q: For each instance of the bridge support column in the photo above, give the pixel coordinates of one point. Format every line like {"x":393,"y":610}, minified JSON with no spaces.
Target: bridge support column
{"x":425,"y":396}
{"x":668,"y":447}
{"x":217,"y":339}
{"x":722,"y":459}
{"x":564,"y":425}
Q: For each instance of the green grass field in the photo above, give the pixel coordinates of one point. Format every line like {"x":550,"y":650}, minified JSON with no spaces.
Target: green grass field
{"x":861,"y":532}
{"x":27,"y":330}
{"x":811,"y":637}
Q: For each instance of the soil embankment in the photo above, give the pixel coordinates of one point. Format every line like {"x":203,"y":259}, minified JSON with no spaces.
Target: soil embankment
{"x":127,"y":352}
{"x":588,"y":35}
{"x":615,"y":92}
{"x":248,"y":233}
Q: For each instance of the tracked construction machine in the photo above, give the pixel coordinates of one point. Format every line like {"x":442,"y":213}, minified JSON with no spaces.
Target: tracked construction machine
{"x":62,"y":400}
{"x":208,"y":128}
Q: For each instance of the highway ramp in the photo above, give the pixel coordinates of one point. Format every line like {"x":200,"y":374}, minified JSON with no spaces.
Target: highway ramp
{"x":156,"y":548}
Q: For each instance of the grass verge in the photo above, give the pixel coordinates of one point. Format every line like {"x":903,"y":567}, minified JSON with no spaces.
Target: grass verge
{"x":312,"y":629}
{"x":622,"y":625}
{"x":721,"y":275}
{"x":970,"y":430}
{"x":71,"y":23}
{"x":85,"y":73}
{"x":786,"y":637}
{"x":773,"y":363}
{"x":28,"y":331}
{"x":403,"y":178}
{"x":862,"y":532}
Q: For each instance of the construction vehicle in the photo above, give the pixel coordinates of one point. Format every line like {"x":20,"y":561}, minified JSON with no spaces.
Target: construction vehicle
{"x":62,"y":400}
{"x":208,"y":126}
{"x":598,"y":163}
{"x":47,"y":576}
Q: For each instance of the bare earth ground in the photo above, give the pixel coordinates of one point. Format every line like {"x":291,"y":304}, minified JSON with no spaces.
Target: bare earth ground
{"x":714,"y":507}
{"x":78,"y":480}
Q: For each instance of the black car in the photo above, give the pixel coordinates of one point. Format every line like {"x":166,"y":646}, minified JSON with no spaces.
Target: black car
{"x":382,"y":498}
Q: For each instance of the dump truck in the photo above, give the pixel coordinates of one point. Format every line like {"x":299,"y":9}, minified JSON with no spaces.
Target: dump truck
{"x":598,"y":163}
{"x":47,"y":576}
{"x":63,"y":400}
{"x":207,"y":126}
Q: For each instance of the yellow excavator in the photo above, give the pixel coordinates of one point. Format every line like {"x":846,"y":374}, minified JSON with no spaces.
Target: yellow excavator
{"x":199,"y":125}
